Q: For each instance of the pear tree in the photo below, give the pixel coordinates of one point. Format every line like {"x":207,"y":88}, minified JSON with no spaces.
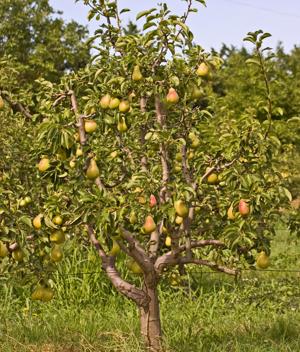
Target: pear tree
{"x":134,"y":154}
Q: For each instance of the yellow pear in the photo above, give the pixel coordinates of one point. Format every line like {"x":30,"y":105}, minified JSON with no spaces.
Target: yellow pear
{"x":18,"y":255}
{"x":230,"y":213}
{"x":90,"y":126}
{"x":114,"y":103}
{"x":181,"y":208}
{"x":202,"y":70}
{"x":195,"y":143}
{"x":135,"y":268}
{"x":44,"y":164}
{"x":47,"y":294}
{"x":132,"y":218}
{"x":37,"y":221}
{"x":27,"y":199}
{"x":136,"y":74}
{"x":3,"y":250}
{"x":79,"y":152}
{"x":124,"y":106}
{"x":93,"y":171}
{"x":122,"y":127}
{"x":37,"y":294}
{"x":262,"y":260}
{"x":72,"y":163}
{"x":178,"y":157}
{"x":172,"y":96}
{"x":104,"y":101}
{"x":115,"y":249}
{"x":149,"y":225}
{"x":57,"y":220}
{"x":168,"y":241}
{"x":212,"y":179}
{"x":178,"y":220}
{"x":58,"y":237}
{"x":1,"y":103}
{"x":56,"y":254}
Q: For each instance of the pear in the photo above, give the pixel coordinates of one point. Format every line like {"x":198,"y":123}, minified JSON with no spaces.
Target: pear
{"x":93,"y":171}
{"x":72,"y":163}
{"x":135,"y":268}
{"x":178,"y":157}
{"x":212,"y":179}
{"x":202,"y":70}
{"x":58,"y":237}
{"x":1,"y":103}
{"x":142,"y":200}
{"x":262,"y":260}
{"x":104,"y":101}
{"x":37,"y":221}
{"x":172,"y":96}
{"x":47,"y":294}
{"x":132,"y":218}
{"x":244,"y":208}
{"x":76,"y":137}
{"x":37,"y":294}
{"x":136,"y":74}
{"x":90,"y":126}
{"x":79,"y":152}
{"x":114,"y":103}
{"x":56,"y":254}
{"x":149,"y":225}
{"x":57,"y":220}
{"x":27,"y":199}
{"x":113,"y":154}
{"x":44,"y":164}
{"x":178,"y":220}
{"x":152,"y":201}
{"x":196,"y":93}
{"x":22,"y":203}
{"x":124,"y":106}
{"x":3,"y":250}
{"x":115,"y":249}
{"x":168,"y":241}
{"x":230,"y":213}
{"x":122,"y":127}
{"x":181,"y":208}
{"x":195,"y":143}
{"x":18,"y":255}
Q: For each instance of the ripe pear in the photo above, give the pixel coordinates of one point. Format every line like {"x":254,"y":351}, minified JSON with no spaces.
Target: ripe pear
{"x":72,"y":163}
{"x":122,"y":127}
{"x":132,"y":218}
{"x":93,"y":171}
{"x":149,"y":225}
{"x":262,"y":261}
{"x":104,"y":101}
{"x":56,"y":254}
{"x":37,"y":221}
{"x":115,"y":249}
{"x":90,"y":126}
{"x":202,"y":70}
{"x":57,"y":220}
{"x":1,"y":103}
{"x":47,"y":294}
{"x":22,"y":203}
{"x":212,"y":179}
{"x":136,"y":74}
{"x":142,"y":200}
{"x":3,"y":250}
{"x":79,"y":152}
{"x":18,"y":255}
{"x":172,"y":96}
{"x":37,"y":294}
{"x":114,"y":103}
{"x":181,"y":208}
{"x":244,"y":208}
{"x":44,"y":164}
{"x":124,"y":106}
{"x":178,"y":220}
{"x":168,"y":241}
{"x":230,"y":213}
{"x":58,"y":237}
{"x":152,"y":201}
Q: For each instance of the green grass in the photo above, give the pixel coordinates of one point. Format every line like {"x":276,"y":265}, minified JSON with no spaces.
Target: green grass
{"x":258,"y":313}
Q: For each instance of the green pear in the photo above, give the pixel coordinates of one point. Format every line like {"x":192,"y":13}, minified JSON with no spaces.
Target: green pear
{"x":202,"y":70}
{"x":122,"y":127}
{"x":115,"y":249}
{"x":58,"y":237}
{"x":132,"y":218}
{"x":262,"y":260}
{"x":114,"y":103}
{"x":105,"y":101}
{"x":93,"y":171}
{"x":3,"y":250}
{"x":136,"y":74}
{"x":181,"y":208}
{"x":56,"y":253}
{"x":124,"y":106}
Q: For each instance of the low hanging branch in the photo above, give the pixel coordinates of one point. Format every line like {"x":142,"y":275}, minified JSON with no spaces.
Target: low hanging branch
{"x":16,"y":106}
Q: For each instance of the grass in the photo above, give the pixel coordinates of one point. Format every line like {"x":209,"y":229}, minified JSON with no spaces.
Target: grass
{"x":258,"y":313}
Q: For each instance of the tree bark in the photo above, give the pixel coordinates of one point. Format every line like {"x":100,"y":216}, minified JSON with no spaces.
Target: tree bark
{"x":150,"y":319}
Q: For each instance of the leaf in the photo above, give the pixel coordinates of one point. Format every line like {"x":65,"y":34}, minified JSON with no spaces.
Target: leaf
{"x":287,"y":193}
{"x":124,"y":10}
{"x":25,"y":220}
{"x":252,"y":61}
{"x":144,"y":13}
{"x":148,"y":25}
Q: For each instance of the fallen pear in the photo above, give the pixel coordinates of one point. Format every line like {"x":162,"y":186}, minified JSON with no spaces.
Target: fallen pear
{"x":124,"y":106}
{"x":202,"y":70}
{"x":44,"y":164}
{"x":37,"y":221}
{"x":37,"y":294}
{"x":3,"y":250}
{"x":149,"y":225}
{"x":56,"y":253}
{"x":136,"y":74}
{"x":262,"y":261}
{"x":90,"y":126}
{"x":244,"y":208}
{"x":58,"y":237}
{"x":181,"y":208}
{"x":47,"y":294}
{"x":93,"y":171}
{"x":114,"y":103}
{"x":172,"y":96}
{"x":104,"y":101}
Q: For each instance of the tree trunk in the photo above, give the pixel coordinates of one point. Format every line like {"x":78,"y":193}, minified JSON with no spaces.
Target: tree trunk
{"x":150,"y":320}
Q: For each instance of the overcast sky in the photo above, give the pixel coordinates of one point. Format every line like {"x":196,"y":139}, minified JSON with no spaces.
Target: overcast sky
{"x":222,"y":21}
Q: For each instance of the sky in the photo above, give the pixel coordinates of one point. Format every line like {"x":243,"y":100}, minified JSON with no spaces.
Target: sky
{"x":222,"y":21}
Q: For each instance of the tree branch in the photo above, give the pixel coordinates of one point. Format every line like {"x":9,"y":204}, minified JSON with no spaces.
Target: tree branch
{"x":79,"y":118}
{"x":16,"y":106}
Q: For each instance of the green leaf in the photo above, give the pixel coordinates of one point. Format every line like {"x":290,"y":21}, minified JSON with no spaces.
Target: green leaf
{"x":144,"y":13}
